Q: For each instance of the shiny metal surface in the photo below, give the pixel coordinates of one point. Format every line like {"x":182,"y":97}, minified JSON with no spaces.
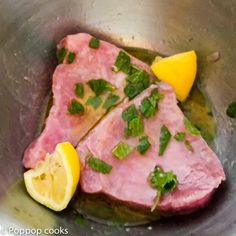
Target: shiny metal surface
{"x":28,"y":34}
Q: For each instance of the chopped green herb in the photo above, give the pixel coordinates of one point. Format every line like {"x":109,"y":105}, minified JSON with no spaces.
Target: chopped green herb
{"x":163,"y":182}
{"x":146,"y":108}
{"x":94,"y":101}
{"x":190,"y":127}
{"x":94,"y":43}
{"x":75,"y":108}
{"x":98,"y":165}
{"x":139,"y":76}
{"x":127,"y":132}
{"x":122,"y":150}
{"x":143,"y":145}
{"x":135,"y":123}
{"x":70,"y":57}
{"x":155,"y":96}
{"x":129,"y":113}
{"x":133,"y":69}
{"x":79,"y":220}
{"x":79,"y":90}
{"x":136,"y":83}
{"x":110,"y":101}
{"x":180,"y":136}
{"x":231,"y":110}
{"x":149,"y":105}
{"x":122,"y":63}
{"x":165,"y":137}
{"x":156,"y":201}
{"x":209,"y":113}
{"x":135,"y":126}
{"x":61,"y":54}
{"x":188,"y":145}
{"x":100,"y":86}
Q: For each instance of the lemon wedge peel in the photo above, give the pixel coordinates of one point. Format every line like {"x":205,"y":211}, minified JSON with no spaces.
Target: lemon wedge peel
{"x":44,"y":183}
{"x":179,"y":71}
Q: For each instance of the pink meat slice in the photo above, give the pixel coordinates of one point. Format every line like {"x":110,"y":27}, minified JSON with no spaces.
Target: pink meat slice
{"x":88,"y":64}
{"x":198,"y":173}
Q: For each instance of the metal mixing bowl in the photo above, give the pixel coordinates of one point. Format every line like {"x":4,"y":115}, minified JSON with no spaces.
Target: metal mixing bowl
{"x":29,"y":32}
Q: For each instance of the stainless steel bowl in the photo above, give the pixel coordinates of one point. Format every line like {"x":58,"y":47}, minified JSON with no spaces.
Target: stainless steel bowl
{"x":29,"y":32}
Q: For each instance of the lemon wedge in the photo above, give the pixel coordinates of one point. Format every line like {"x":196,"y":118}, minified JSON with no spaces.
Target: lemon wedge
{"x":178,"y":70}
{"x":54,"y":180}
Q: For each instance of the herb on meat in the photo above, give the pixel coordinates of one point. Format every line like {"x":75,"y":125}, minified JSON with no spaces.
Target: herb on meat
{"x":136,"y":83}
{"x":190,"y":127}
{"x":179,"y":136}
{"x":165,"y":137}
{"x":94,"y":101}
{"x":135,"y":123}
{"x":188,"y":145}
{"x":163,"y":182}
{"x":110,"y":101}
{"x":79,"y":90}
{"x":94,"y":43}
{"x":231,"y":110}
{"x":98,"y":165}
{"x":61,"y":54}
{"x":71,"y":57}
{"x":122,"y":150}
{"x":75,"y":108}
{"x":143,"y":145}
{"x":122,"y":63}
{"x":100,"y":86}
{"x":149,"y":105}
{"x":135,"y":126}
{"x":129,"y":113}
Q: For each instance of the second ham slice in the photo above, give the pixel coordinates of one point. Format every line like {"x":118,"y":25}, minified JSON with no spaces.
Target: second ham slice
{"x":198,"y":171}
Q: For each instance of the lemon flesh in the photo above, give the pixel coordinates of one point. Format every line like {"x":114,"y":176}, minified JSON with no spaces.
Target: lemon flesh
{"x":179,"y":71}
{"x":54,"y":180}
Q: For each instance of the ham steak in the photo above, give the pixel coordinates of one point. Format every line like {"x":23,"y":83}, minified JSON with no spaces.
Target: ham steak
{"x":89,"y":63}
{"x":198,"y":171}
{"x":96,"y":132}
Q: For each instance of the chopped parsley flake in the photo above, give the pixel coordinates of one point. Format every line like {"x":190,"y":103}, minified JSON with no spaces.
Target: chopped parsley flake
{"x":71,"y":57}
{"x":122,"y":150}
{"x":79,"y":90}
{"x":61,"y":54}
{"x":122,"y":63}
{"x":135,"y":126}
{"x":165,"y":137}
{"x":143,"y":145}
{"x":94,"y":101}
{"x":98,"y":165}
{"x":180,"y":136}
{"x":231,"y":110}
{"x":110,"y":101}
{"x":100,"y":86}
{"x":163,"y":182}
{"x":149,"y":105}
{"x":188,"y":145}
{"x":136,"y":83}
{"x":75,"y":108}
{"x":94,"y":43}
{"x":129,"y":113}
{"x":190,"y":127}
